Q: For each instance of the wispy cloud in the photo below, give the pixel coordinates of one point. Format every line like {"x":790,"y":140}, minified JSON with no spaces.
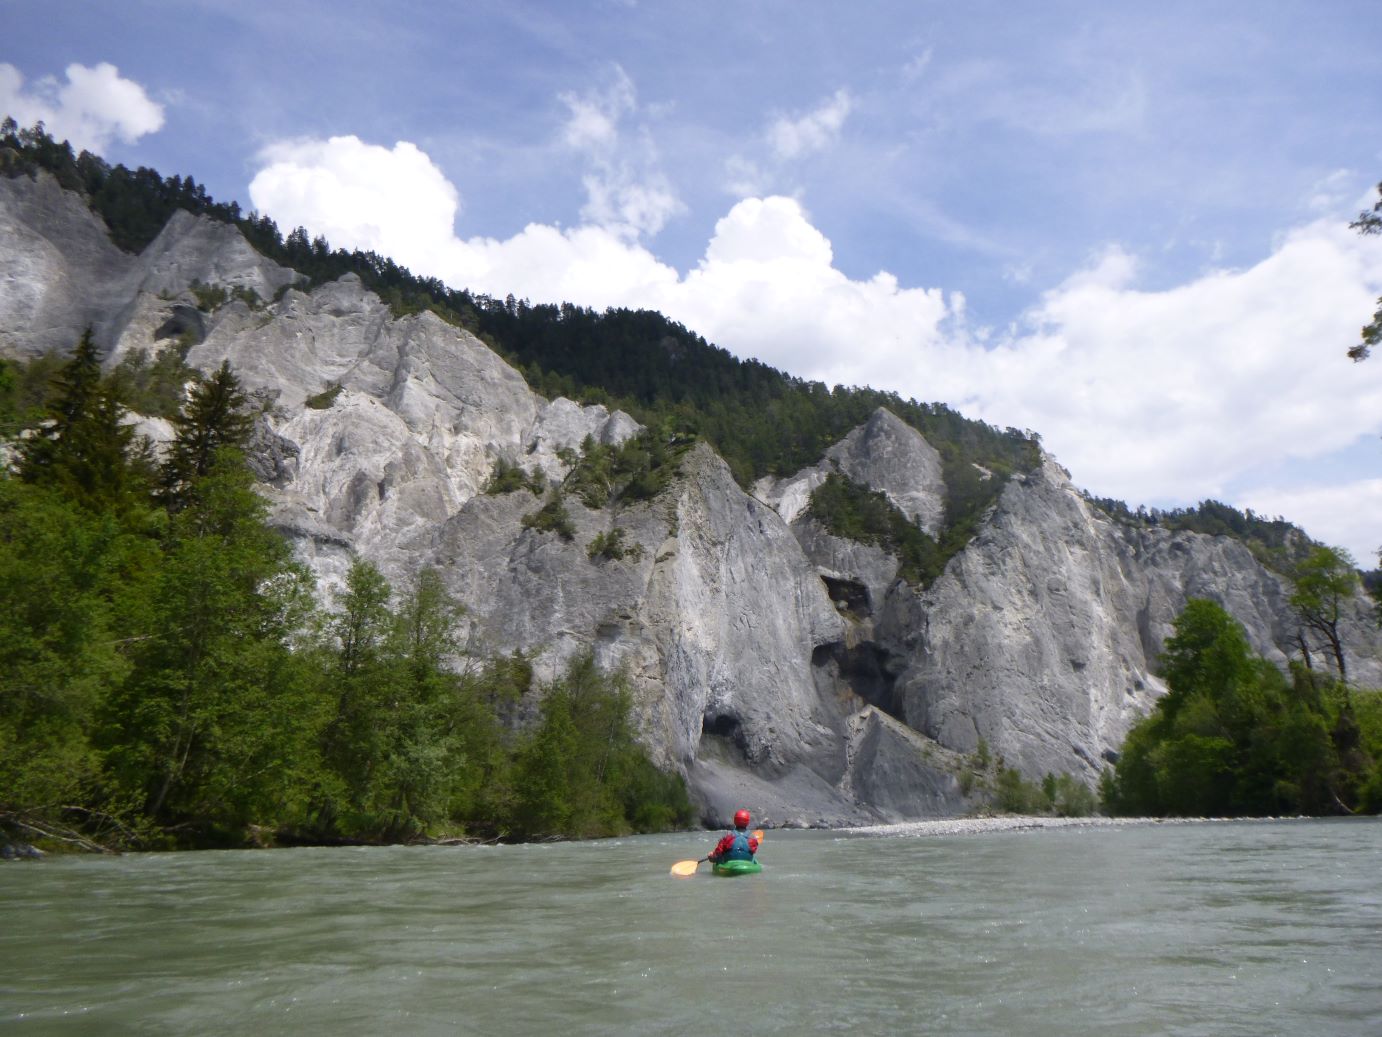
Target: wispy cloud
{"x":793,"y":138}
{"x":1086,"y":98}
{"x":1334,"y":192}
{"x":626,"y":190}
{"x":744,"y":178}
{"x":915,"y":68}
{"x":595,"y":115}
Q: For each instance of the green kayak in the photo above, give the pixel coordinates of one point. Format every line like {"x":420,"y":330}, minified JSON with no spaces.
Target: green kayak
{"x":729,"y":869}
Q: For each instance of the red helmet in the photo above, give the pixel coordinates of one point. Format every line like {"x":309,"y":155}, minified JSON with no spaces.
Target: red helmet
{"x":741,"y":819}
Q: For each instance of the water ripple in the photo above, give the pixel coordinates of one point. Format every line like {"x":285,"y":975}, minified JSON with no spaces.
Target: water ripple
{"x":1181,"y":930}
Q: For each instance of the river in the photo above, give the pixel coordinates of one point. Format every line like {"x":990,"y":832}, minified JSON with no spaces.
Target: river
{"x":1249,"y":928}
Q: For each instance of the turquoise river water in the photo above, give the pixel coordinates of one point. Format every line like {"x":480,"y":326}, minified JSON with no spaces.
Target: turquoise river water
{"x":1216,"y":929}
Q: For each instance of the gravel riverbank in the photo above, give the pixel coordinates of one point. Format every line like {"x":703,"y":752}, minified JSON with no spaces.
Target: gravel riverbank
{"x":1008,"y":823}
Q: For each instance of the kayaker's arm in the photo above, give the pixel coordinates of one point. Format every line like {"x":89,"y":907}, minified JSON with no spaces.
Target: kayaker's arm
{"x":721,"y":848}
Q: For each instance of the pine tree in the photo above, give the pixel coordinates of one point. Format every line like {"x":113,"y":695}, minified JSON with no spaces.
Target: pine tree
{"x":212,"y":420}
{"x":86,"y":449}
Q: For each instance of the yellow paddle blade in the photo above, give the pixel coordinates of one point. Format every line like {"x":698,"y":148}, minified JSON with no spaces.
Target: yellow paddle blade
{"x":758,"y":834}
{"x":684,"y":868}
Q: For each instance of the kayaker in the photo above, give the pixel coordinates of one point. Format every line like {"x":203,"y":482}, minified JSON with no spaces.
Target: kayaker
{"x":737,"y":845}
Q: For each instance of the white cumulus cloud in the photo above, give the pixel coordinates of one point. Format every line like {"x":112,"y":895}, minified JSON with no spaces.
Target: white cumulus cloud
{"x":393,"y":201}
{"x":1163,"y":394}
{"x":94,"y":107}
{"x":396,"y":202}
{"x":768,"y":288}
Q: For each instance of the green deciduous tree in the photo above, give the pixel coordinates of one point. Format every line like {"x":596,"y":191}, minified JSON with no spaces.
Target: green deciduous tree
{"x":423,"y":762}
{"x":217,"y":713}
{"x":59,"y":644}
{"x":1232,"y":736}
{"x":1325,"y":582}
{"x":581,"y":773}
{"x":354,"y":660}
{"x":410,"y":738}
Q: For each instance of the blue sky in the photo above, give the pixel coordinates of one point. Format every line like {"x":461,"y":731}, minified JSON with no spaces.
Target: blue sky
{"x":1122,"y":225}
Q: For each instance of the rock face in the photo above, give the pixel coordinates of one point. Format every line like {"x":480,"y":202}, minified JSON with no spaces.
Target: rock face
{"x":60,"y":273}
{"x":884,"y":454}
{"x":774,"y":664}
{"x":1041,"y":637}
{"x":58,"y":270}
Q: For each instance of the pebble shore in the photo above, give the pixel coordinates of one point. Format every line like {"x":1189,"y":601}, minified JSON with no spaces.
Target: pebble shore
{"x":1013,"y":823}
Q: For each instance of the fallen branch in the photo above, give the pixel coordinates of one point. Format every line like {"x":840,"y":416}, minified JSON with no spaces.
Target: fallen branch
{"x":105,"y":822}
{"x":54,"y":832}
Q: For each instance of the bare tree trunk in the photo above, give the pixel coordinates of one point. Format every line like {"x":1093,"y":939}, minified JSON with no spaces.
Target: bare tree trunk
{"x":1305,"y":650}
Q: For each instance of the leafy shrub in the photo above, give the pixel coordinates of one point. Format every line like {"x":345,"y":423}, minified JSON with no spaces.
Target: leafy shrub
{"x":1061,"y":795}
{"x":508,"y":478}
{"x":1013,"y":794}
{"x":612,"y":545}
{"x":1065,"y":796}
{"x":210,"y":297}
{"x":324,"y":399}
{"x":637,"y":469}
{"x":552,"y":517}
{"x":154,"y":388}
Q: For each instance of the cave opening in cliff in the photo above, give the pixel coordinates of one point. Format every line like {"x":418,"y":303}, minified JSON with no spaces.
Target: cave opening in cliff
{"x":867,"y":669}
{"x":849,"y":596}
{"x":184,"y":322}
{"x":724,"y":731}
